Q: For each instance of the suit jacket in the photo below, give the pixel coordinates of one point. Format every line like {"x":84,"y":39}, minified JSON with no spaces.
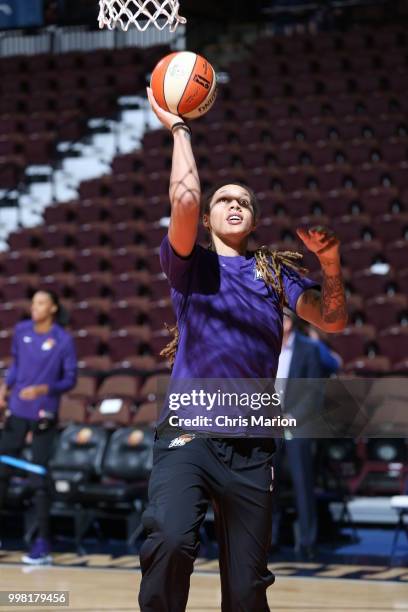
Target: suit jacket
{"x":303,"y":400}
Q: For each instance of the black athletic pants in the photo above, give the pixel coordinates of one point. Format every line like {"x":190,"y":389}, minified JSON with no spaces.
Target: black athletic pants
{"x":11,"y":443}
{"x":235,"y":475}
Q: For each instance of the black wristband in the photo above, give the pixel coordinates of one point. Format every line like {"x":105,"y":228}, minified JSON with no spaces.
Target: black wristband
{"x":181,"y":125}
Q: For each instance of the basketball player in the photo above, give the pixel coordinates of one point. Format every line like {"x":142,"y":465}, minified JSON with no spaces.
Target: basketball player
{"x":44,"y":367}
{"x":229,"y":305}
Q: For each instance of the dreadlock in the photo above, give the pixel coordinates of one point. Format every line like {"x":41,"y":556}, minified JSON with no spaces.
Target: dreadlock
{"x":268,"y":264}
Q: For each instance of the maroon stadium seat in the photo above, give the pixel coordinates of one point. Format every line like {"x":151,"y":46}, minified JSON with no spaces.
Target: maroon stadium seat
{"x":131,"y":209}
{"x":61,"y":213}
{"x":19,"y":287}
{"x":92,"y":260}
{"x":129,"y":259}
{"x":127,"y":233}
{"x":128,"y":342}
{"x":378,"y":200}
{"x":369,"y":284}
{"x":95,"y":285}
{"x":362,"y":254}
{"x":389,"y":228}
{"x":89,"y":313}
{"x":92,"y":235}
{"x":393,"y":343}
{"x":396,"y":253}
{"x":90,"y":341}
{"x":384,"y":311}
{"x":58,"y":236}
{"x":352,"y":227}
{"x":56,"y":261}
{"x":130,"y":284}
{"x":93,"y":211}
{"x":352,"y":342}
{"x":128,"y":313}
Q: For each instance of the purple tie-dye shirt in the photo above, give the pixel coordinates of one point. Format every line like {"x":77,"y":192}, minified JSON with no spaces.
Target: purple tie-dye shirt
{"x":230,"y":321}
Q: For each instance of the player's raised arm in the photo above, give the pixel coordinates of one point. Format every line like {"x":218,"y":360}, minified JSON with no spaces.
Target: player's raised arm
{"x":185,"y":191}
{"x":327,"y":309}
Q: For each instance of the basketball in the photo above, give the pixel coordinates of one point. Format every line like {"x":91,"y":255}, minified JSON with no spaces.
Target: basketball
{"x":184,"y":83}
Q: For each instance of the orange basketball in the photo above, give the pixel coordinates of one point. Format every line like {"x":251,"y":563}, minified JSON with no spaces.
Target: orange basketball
{"x":184,"y":83}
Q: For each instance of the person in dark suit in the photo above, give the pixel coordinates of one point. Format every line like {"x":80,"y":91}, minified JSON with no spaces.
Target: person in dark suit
{"x":301,"y":357}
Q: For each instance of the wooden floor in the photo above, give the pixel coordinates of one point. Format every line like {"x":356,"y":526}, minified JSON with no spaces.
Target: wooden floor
{"x":93,"y":589}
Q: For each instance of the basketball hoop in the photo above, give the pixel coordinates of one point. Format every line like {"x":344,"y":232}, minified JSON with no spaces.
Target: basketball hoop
{"x":140,"y":13}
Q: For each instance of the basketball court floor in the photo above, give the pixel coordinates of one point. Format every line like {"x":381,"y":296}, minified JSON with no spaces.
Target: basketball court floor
{"x":100,"y":582}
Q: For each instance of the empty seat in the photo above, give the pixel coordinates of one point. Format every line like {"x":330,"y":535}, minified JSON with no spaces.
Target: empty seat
{"x":129,"y":259}
{"x":85,"y":388}
{"x":115,"y":399}
{"x":92,"y":260}
{"x":368,"y":365}
{"x":160,"y":313}
{"x":19,"y":287}
{"x":58,"y":236}
{"x":127,"y":233}
{"x":378,"y":200}
{"x":352,"y":227}
{"x":369,"y":284}
{"x":90,"y":341}
{"x":384,"y":311}
{"x":62,"y":284}
{"x":353,"y":341}
{"x":96,"y":285}
{"x":72,"y":410}
{"x":93,"y":211}
{"x":131,"y":285}
{"x":27,"y":238}
{"x":340,"y":202}
{"x":128,"y":342}
{"x":92,"y":235}
{"x":362,"y":254}
{"x":6,"y":336}
{"x":402,"y":280}
{"x":393,"y":343}
{"x":147,"y":414}
{"x":391,"y":227}
{"x":60,"y":213}
{"x":396,"y":253}
{"x":94,"y":363}
{"x":132,"y":209}
{"x":141,"y":363}
{"x":128,"y":313}
{"x":11,"y":313}
{"x":154,"y":388}
{"x":89,"y":313}
{"x":55,"y":262}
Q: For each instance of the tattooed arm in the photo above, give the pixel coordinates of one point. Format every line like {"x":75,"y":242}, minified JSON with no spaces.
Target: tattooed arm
{"x":327,"y":309}
{"x":185,"y":190}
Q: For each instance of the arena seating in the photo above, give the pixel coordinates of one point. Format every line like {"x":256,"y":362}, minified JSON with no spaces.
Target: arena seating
{"x":320,"y":131}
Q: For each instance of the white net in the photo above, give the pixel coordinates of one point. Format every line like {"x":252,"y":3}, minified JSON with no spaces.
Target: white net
{"x":140,"y":13}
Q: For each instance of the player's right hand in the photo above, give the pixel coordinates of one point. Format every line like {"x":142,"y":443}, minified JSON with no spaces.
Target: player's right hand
{"x":166,"y":118}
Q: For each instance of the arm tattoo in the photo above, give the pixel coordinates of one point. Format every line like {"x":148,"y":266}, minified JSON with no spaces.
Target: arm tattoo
{"x":181,"y":187}
{"x":333,"y":300}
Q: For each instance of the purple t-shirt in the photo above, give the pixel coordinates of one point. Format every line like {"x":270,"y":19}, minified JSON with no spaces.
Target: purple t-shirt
{"x":229,"y":320}
{"x":40,"y":359}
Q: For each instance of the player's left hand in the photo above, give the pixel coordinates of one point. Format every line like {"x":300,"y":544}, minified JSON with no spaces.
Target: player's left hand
{"x":320,"y":240}
{"x":31,"y":393}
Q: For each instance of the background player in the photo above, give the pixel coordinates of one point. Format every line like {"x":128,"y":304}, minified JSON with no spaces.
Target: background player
{"x":44,"y":367}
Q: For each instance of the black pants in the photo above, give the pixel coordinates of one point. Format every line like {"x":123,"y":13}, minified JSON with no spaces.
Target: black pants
{"x":11,"y":443}
{"x":235,"y":475}
{"x":299,"y":455}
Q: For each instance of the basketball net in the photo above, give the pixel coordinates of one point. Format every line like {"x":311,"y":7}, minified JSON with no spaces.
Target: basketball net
{"x":140,"y":13}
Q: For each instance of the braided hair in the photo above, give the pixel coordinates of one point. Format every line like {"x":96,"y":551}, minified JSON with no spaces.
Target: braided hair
{"x":268,"y":264}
